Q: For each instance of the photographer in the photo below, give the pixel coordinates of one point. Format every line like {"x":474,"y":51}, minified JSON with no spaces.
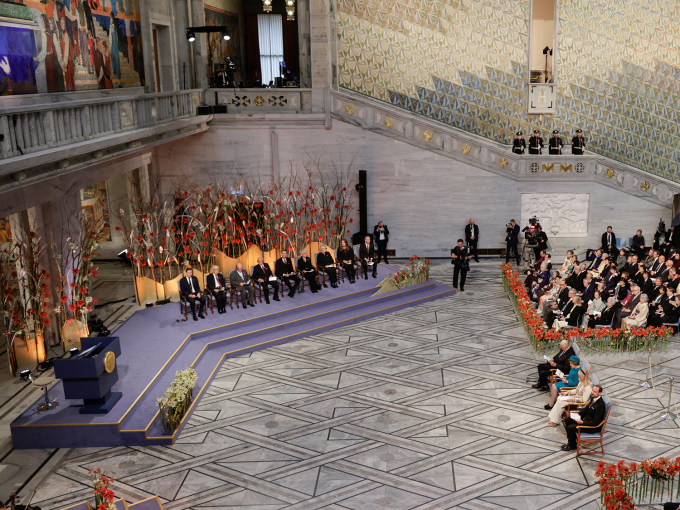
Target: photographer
{"x":539,"y":238}
{"x":461,"y":264}
{"x":511,"y":240}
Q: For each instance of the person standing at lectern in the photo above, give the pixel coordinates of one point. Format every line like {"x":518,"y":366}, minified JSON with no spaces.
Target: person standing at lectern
{"x":217,"y":286}
{"x":555,"y":144}
{"x":519,"y":144}
{"x":578,"y":144}
{"x":188,"y":287}
{"x":381,"y":234}
{"x":535,"y":143}
{"x":609,"y":242}
{"x":367,"y":256}
{"x":511,"y":239}
{"x":471,"y":237}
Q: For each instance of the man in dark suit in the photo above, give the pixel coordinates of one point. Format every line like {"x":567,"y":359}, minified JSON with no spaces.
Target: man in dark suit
{"x":657,"y":266}
{"x":671,"y":241}
{"x":588,"y":291}
{"x":284,"y":270}
{"x":605,"y":318}
{"x":367,"y":256}
{"x":609,"y":242}
{"x":536,"y":143}
{"x":261,"y":274}
{"x":630,"y":306}
{"x":381,"y":234}
{"x":576,"y":279}
{"x":592,"y":415}
{"x":189,"y":289}
{"x":562,"y":307}
{"x":240,"y":279}
{"x":578,"y":144}
{"x":559,"y":361}
{"x":217,"y":286}
{"x":472,"y":238}
{"x":512,"y":238}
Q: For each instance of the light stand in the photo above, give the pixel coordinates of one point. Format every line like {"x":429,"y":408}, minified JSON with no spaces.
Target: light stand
{"x":669,"y":415}
{"x":647,"y":383}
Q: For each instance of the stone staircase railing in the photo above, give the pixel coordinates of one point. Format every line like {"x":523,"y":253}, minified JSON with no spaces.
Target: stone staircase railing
{"x":494,"y":157}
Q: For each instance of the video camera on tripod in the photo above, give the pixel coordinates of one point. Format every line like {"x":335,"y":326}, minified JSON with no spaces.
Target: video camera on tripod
{"x":531,"y":232}
{"x":660,"y":234}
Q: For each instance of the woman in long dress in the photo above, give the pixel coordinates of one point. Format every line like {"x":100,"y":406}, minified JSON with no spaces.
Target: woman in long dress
{"x":579,"y":395}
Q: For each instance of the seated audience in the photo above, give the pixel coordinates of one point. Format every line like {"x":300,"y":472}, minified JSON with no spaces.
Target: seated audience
{"x":650,"y":259}
{"x":562,"y":307}
{"x":262,"y":274}
{"x":567,"y":262}
{"x":606,"y":316}
{"x":592,"y":415}
{"x":217,"y":286}
{"x":326,"y":264}
{"x":596,"y":304}
{"x":286,"y":273}
{"x":191,"y":292}
{"x":569,"y":380}
{"x":542,"y":280}
{"x":629,"y":306}
{"x":241,"y":281}
{"x":621,"y":259}
{"x":660,"y":307}
{"x":573,"y":318}
{"x":367,"y":256}
{"x":638,"y":245}
{"x":575,"y":281}
{"x":579,"y":395}
{"x":305,"y":266}
{"x":346,"y":257}
{"x":657,"y":266}
{"x":638,"y":316}
{"x":604,"y":294}
{"x":600,"y":268}
{"x":559,"y":361}
{"x":589,"y":288}
{"x":621,"y":291}
{"x":550,"y":293}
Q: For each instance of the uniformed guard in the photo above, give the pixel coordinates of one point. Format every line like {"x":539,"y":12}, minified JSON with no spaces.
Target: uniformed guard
{"x":519,"y":144}
{"x":578,"y":143}
{"x":555,"y":144}
{"x":535,"y":143}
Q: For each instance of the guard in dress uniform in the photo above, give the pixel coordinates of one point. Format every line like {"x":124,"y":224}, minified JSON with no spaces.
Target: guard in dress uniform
{"x":535,"y":143}
{"x":578,"y":143}
{"x":555,"y":144}
{"x":519,"y":144}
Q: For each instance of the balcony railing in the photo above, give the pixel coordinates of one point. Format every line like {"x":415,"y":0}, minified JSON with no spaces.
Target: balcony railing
{"x":35,"y":128}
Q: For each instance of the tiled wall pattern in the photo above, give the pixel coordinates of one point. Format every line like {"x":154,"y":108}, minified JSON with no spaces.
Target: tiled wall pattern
{"x":464,"y":62}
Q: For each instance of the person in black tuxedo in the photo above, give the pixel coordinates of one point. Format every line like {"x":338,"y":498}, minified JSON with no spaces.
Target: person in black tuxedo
{"x":240,"y":279}
{"x":560,"y":309}
{"x":381,"y":234}
{"x":671,"y":242}
{"x":367,"y":256}
{"x":630,"y":306}
{"x":512,"y":238}
{"x":285,"y":272}
{"x":189,"y":289}
{"x":472,"y":237}
{"x":592,"y":415}
{"x":304,"y":265}
{"x":606,"y":316}
{"x":460,"y":258}
{"x":325,"y":263}
{"x":217,"y":286}
{"x":261,"y":274}
{"x":559,"y":361}
{"x":609,"y":242}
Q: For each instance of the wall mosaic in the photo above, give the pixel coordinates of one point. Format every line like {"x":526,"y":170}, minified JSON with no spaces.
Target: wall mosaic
{"x":464,"y":63}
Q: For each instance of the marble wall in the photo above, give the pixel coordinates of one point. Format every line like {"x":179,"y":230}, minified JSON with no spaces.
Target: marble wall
{"x":425,"y":199}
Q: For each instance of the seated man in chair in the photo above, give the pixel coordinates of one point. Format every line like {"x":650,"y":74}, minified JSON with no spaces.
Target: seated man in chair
{"x":217,"y":286}
{"x":559,"y":361}
{"x":591,"y":415}
{"x":284,"y":270}
{"x":240,"y":279}
{"x":189,"y":289}
{"x":262,"y":274}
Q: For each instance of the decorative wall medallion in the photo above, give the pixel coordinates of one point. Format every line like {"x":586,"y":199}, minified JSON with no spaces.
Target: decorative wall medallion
{"x":427,"y":136}
{"x":349,"y":109}
{"x":241,"y":101}
{"x":534,"y":168}
{"x":465,"y":149}
{"x":388,"y":122}
{"x":610,"y":173}
{"x":503,"y":162}
{"x":278,"y":101}
{"x":580,"y":167}
{"x":259,"y":101}
{"x":644,"y":186}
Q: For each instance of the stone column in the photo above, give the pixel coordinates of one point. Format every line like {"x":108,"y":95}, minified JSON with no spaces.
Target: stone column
{"x":200,"y":46}
{"x":304,"y":42}
{"x":320,"y":49}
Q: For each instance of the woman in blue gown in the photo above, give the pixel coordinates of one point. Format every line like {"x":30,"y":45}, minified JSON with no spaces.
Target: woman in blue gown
{"x":570,"y":380}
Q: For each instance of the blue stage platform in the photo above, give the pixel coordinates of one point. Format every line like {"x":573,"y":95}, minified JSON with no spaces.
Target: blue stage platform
{"x":154,"y":346}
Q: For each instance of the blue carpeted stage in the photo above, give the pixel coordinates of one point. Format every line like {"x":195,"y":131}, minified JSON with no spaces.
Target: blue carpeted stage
{"x":154,"y":346}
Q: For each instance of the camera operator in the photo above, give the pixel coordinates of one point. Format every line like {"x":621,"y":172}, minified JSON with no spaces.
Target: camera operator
{"x":511,"y":240}
{"x":541,"y":239}
{"x":660,"y":234}
{"x":460,"y":256}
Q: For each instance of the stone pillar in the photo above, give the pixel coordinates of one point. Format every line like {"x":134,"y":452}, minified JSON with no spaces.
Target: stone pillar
{"x":320,"y":52}
{"x":304,"y":42}
{"x":200,"y":46}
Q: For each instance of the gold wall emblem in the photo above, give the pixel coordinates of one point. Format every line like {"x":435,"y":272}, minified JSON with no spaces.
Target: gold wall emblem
{"x":109,"y":362}
{"x":388,"y":122}
{"x":503,"y":162}
{"x":259,"y":101}
{"x":349,"y":109}
{"x":644,"y":186}
{"x":427,"y":136}
{"x":548,"y":167}
{"x":610,"y":173}
{"x":465,"y":149}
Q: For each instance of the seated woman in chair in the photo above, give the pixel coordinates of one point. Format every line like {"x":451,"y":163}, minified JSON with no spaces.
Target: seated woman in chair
{"x":541,"y":281}
{"x":573,"y":318}
{"x":304,"y":266}
{"x":347,"y":257}
{"x":579,"y":395}
{"x":638,"y":316}
{"x":570,"y":380}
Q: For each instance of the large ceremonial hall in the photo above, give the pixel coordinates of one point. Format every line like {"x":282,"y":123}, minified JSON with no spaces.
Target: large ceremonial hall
{"x":342,"y":254}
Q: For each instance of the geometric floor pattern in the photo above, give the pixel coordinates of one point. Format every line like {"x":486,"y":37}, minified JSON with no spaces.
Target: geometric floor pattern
{"x":425,"y":408}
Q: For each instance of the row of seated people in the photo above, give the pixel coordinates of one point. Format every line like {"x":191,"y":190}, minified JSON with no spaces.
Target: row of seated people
{"x":607,"y":293}
{"x":574,"y":389}
{"x":244,"y":286}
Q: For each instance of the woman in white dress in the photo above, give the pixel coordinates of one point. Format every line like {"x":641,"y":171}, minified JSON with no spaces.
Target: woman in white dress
{"x":579,"y":395}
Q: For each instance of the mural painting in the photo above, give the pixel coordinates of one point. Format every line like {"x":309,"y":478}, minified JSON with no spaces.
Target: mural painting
{"x":69,"y":45}
{"x":95,"y":203}
{"x":218,"y":48}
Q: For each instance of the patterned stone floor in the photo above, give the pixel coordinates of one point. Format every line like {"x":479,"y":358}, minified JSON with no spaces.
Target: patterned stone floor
{"x":426,"y":408}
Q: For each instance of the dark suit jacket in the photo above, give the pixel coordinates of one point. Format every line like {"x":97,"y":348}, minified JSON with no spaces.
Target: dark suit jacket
{"x":305,"y":266}
{"x":376,"y":234}
{"x":185,"y":288}
{"x":324,"y":259}
{"x":638,"y":241}
{"x":604,"y":241}
{"x":592,"y":414}
{"x":589,"y":292}
{"x":607,"y":315}
{"x":211,"y":281}
{"x":634,"y":300}
{"x":471,"y":232}
{"x":562,"y":297}
{"x":620,"y":293}
{"x":561,"y":359}
{"x":280,"y":268}
{"x":513,"y":233}
{"x":365,"y":253}
{"x":258,"y":274}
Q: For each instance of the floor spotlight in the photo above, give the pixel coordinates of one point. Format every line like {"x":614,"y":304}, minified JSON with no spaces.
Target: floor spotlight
{"x":191,"y":36}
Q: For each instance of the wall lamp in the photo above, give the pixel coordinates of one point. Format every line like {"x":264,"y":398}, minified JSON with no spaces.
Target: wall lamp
{"x":192,"y":31}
